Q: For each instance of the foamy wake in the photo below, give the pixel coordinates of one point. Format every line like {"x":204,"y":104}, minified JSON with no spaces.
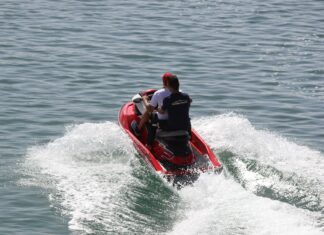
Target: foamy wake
{"x":235,"y":133}
{"x":90,"y":177}
{"x":89,"y":169}
{"x":218,"y":205}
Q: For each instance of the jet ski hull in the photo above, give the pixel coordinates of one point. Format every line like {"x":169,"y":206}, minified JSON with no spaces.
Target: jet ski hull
{"x":201,"y":158}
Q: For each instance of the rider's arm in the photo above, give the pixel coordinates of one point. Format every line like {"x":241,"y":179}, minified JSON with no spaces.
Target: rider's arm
{"x":148,"y":106}
{"x":161,"y":110}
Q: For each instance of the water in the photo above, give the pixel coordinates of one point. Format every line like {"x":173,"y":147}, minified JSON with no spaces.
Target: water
{"x":254,"y":70}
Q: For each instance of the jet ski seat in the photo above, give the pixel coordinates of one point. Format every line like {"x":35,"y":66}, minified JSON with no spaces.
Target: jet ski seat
{"x":172,"y":134}
{"x":176,"y":141}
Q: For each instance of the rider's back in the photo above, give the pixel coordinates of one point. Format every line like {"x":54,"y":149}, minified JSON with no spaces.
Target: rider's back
{"x":177,"y":106}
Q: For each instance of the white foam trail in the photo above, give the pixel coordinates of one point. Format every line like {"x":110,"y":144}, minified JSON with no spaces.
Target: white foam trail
{"x":216,"y":205}
{"x":235,"y":133}
{"x":88,"y":168}
{"x":90,"y":173}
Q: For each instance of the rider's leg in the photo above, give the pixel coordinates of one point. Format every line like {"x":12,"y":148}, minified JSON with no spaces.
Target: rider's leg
{"x":151,"y":128}
{"x":144,"y":120}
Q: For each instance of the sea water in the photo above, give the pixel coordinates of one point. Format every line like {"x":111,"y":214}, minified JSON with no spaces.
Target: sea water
{"x":254,"y":70}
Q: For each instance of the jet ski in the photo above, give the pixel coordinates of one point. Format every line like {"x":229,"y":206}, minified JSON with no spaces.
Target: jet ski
{"x":178,"y":156}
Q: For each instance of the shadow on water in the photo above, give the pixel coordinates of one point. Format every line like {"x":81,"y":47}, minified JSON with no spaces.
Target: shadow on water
{"x":146,"y":205}
{"x":153,"y":205}
{"x":267,"y":181}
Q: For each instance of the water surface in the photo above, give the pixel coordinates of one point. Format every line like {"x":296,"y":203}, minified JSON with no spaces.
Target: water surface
{"x":254,"y":70}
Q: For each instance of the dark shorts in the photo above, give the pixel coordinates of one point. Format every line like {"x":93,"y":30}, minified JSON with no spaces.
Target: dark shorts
{"x":163,"y":124}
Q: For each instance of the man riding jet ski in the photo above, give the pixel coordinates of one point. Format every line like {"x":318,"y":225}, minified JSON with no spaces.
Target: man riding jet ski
{"x":172,"y":108}
{"x":158,"y":123}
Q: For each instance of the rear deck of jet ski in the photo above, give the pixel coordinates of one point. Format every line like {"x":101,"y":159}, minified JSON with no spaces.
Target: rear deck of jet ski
{"x":175,"y":141}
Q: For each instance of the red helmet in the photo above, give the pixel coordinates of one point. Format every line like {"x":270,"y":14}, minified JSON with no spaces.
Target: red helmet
{"x":166,"y":76}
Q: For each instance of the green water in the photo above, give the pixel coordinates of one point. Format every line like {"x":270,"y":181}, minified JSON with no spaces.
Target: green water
{"x":254,"y":70}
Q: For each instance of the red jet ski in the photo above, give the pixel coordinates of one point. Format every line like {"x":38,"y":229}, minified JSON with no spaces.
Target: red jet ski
{"x":176,"y":155}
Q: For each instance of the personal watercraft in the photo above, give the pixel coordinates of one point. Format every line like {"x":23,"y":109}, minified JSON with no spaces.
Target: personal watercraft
{"x":179,"y":156}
